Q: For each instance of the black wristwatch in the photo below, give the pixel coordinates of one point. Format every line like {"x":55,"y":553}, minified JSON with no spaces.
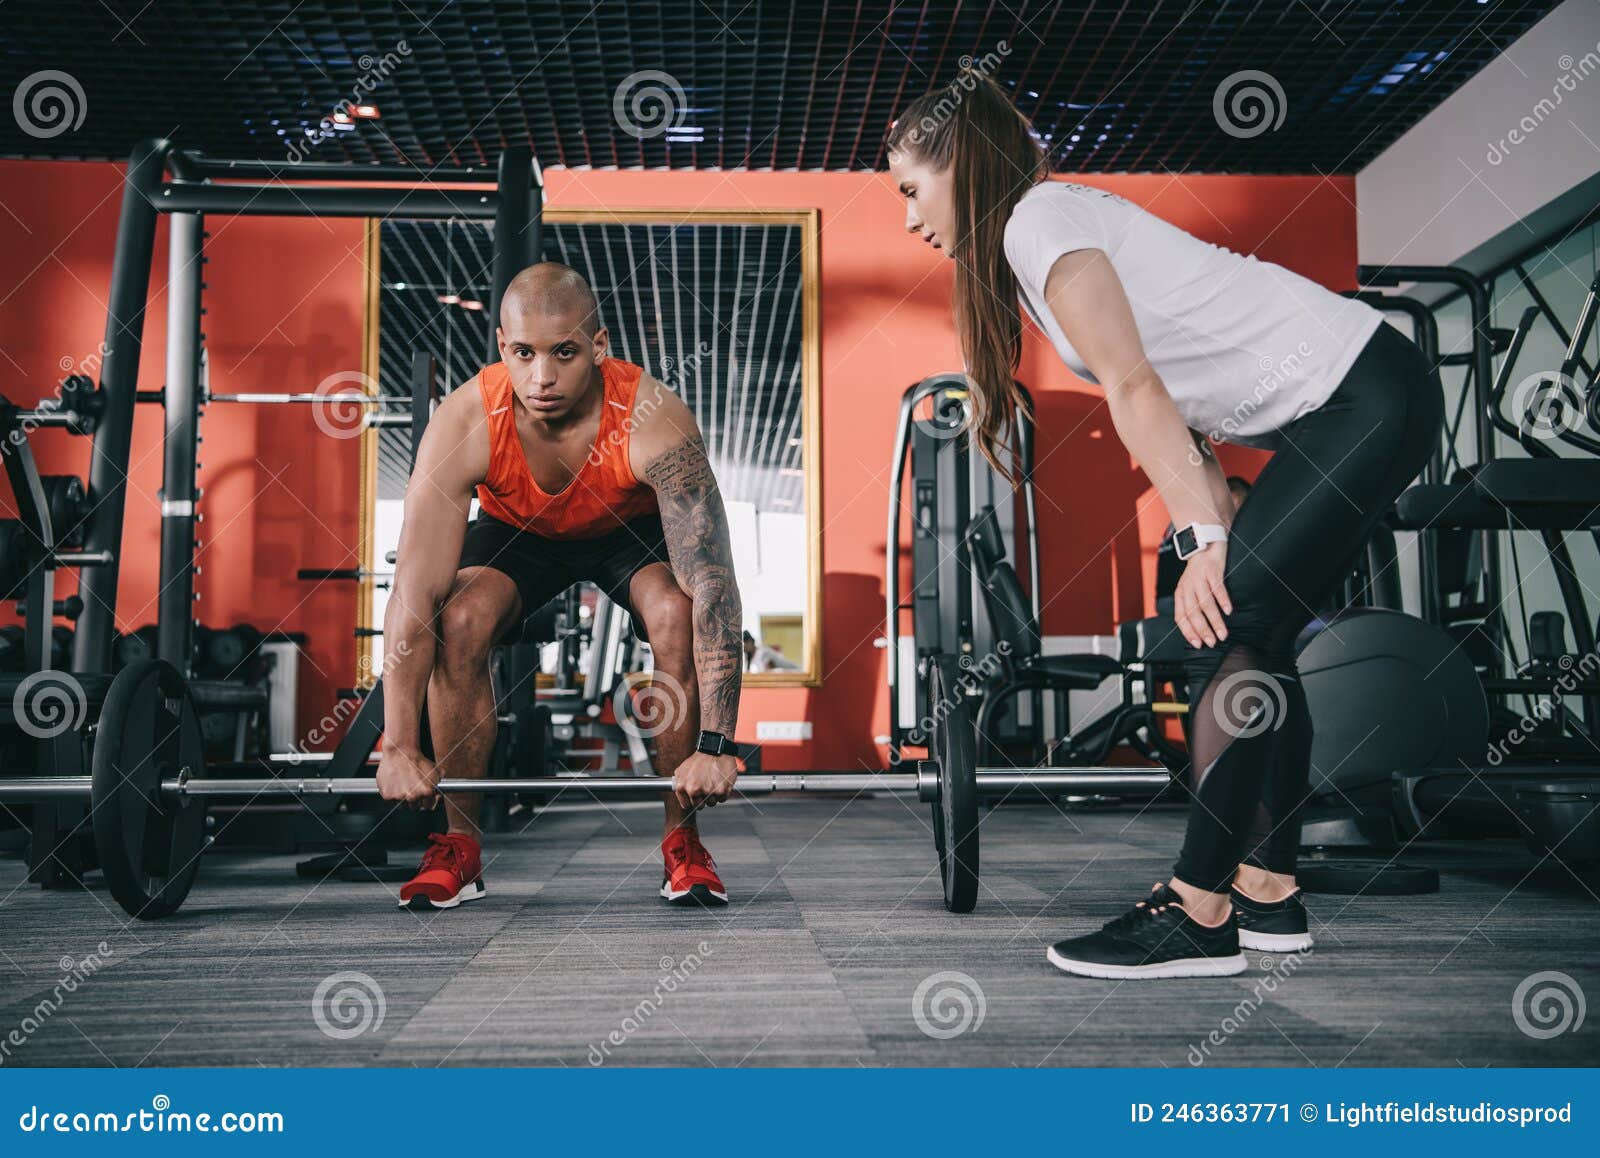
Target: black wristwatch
{"x":716,"y":744}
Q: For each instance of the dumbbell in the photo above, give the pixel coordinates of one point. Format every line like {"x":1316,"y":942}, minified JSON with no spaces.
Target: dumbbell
{"x":13,"y":652}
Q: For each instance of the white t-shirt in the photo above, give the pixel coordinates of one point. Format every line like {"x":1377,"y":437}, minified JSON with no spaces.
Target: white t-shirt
{"x":1245,"y":347}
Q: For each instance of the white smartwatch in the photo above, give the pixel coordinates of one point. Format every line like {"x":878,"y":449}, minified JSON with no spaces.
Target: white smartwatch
{"x":1196,"y":537}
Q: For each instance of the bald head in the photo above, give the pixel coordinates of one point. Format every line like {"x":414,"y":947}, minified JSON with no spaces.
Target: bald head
{"x":550,"y":288}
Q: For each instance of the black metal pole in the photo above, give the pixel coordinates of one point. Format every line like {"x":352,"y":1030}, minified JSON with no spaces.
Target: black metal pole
{"x":198,"y":167}
{"x":119,"y":377}
{"x":424,"y":393}
{"x":1482,"y":377}
{"x":175,"y":598}
{"x":321,"y":201}
{"x":516,"y":229}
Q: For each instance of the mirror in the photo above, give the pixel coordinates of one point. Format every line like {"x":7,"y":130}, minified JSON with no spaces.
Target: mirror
{"x":719,"y":305}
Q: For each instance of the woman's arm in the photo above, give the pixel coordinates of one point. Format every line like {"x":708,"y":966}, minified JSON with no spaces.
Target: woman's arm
{"x":1088,"y":301}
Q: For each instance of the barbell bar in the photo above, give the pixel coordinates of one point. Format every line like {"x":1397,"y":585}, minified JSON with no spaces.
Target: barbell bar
{"x":149,"y":786}
{"x":924,"y":782}
{"x":348,"y":396}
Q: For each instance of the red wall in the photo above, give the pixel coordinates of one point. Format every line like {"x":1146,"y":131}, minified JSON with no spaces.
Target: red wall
{"x":284,"y":300}
{"x":285,"y":311}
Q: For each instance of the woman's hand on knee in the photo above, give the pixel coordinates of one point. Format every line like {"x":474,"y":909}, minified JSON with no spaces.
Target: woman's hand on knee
{"x":1201,"y":600}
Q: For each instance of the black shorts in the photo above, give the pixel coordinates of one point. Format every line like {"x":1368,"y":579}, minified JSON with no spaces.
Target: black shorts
{"x":544,"y":568}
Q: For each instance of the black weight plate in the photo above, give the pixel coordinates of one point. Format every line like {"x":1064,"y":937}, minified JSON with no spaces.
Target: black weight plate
{"x":226,"y":650}
{"x":953,"y":744}
{"x":1367,"y":878}
{"x":149,"y":845}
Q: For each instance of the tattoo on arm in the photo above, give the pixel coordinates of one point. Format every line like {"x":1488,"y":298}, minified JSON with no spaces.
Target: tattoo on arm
{"x":696,"y":529}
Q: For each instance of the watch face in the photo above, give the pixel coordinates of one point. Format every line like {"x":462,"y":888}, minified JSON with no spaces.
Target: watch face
{"x":1185,"y":542}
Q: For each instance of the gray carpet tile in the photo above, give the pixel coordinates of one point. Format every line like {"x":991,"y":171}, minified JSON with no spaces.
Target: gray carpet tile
{"x":835,"y":951}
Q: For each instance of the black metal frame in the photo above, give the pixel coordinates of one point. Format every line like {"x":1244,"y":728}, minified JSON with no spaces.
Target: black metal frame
{"x":934,"y":631}
{"x":513,"y":199}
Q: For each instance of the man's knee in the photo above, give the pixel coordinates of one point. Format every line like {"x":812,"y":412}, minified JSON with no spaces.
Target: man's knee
{"x":669,"y":618}
{"x":467,"y":625}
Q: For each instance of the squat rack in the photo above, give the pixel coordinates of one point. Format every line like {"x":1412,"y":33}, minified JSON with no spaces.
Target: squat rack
{"x":184,"y":184}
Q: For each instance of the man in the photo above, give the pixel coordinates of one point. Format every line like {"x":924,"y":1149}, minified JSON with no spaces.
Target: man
{"x":760,"y":657}
{"x":585,"y":468}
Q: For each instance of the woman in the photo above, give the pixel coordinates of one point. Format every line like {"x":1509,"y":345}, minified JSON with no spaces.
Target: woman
{"x":1191,"y":343}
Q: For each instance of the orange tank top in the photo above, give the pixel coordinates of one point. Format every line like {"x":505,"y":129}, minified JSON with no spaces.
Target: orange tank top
{"x":602,"y":496}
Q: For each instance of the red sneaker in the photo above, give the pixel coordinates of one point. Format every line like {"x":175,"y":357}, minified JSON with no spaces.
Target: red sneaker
{"x":451,"y":872}
{"x":689,"y":876}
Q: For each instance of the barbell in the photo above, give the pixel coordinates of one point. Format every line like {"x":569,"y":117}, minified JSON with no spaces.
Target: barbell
{"x":148,"y":786}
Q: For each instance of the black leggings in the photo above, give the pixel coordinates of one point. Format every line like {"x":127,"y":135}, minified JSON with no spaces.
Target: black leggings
{"x":1335,"y":473}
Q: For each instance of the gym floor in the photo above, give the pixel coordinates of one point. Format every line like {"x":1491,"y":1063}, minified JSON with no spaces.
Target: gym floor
{"x":835,"y":951}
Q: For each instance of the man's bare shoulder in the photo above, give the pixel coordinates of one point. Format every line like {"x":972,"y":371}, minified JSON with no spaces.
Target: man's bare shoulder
{"x":457,"y":441}
{"x":661,"y":421}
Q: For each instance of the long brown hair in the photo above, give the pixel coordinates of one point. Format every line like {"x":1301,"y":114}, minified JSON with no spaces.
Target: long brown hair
{"x":971,"y":124}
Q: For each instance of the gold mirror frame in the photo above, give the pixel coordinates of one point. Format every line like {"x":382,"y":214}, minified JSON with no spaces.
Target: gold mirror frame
{"x":809,"y":223}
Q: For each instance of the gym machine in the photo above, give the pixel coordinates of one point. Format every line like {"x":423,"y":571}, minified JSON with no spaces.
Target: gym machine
{"x":967,"y":600}
{"x":1403,"y":706}
{"x":184,"y":185}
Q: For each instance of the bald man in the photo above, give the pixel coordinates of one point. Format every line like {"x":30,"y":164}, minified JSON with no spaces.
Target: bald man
{"x":585,"y":468}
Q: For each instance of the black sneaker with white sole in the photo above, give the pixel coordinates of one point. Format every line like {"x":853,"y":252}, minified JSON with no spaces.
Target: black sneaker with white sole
{"x":1155,"y":938}
{"x":1272,"y":926}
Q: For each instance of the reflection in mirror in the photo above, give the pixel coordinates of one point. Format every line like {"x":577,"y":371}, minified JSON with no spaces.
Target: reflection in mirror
{"x":718,"y":306}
